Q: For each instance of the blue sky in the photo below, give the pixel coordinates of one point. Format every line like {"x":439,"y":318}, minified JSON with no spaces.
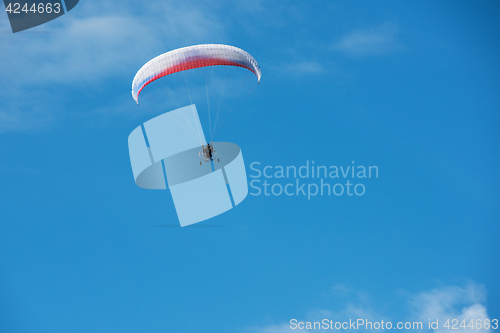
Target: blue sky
{"x":411,"y":87}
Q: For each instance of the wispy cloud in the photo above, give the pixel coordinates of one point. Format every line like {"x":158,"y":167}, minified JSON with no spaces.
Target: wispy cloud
{"x":85,"y":47}
{"x":340,"y":289}
{"x":295,"y":68}
{"x":96,"y":46}
{"x":306,"y":67}
{"x":282,"y":328}
{"x":28,"y":110}
{"x":441,"y":304}
{"x":461,"y":303}
{"x":380,"y":40}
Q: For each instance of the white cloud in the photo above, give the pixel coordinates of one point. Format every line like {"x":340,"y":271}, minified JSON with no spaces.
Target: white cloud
{"x":306,"y":67}
{"x":295,"y":68}
{"x":340,"y":289}
{"x":441,"y":303}
{"x":283,"y":328}
{"x":27,"y":112}
{"x":461,"y":303}
{"x":380,"y":40}
{"x":86,"y":47}
{"x":358,"y":306}
{"x":92,"y":47}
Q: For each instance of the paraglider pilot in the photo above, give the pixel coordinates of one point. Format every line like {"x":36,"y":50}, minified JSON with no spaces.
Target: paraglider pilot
{"x":208,"y":153}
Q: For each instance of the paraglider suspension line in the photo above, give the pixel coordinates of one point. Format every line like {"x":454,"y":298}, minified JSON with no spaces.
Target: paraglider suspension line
{"x":208,"y":102}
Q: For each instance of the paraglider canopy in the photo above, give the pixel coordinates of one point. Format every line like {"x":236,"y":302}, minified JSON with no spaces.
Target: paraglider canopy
{"x":192,"y":57}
